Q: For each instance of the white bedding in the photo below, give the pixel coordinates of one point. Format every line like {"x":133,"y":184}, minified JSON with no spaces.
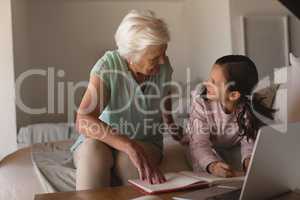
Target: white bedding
{"x":45,"y":132}
{"x":53,"y":163}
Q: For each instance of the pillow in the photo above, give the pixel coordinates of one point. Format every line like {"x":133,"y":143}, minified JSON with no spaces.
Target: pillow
{"x":45,"y":132}
{"x":268,"y":95}
{"x":295,"y":61}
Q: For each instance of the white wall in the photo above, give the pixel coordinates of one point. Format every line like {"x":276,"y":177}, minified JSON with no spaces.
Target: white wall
{"x":261,"y":8}
{"x":7,"y":107}
{"x":209,"y":34}
{"x":72,"y":35}
{"x":20,"y":17}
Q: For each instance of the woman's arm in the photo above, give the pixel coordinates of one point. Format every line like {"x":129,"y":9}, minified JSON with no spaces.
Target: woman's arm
{"x":175,"y":130}
{"x":202,"y":152}
{"x":92,"y":105}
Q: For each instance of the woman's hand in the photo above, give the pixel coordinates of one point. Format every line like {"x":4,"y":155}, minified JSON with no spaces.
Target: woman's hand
{"x":176,"y":132}
{"x":147,"y":171}
{"x":221,"y":169}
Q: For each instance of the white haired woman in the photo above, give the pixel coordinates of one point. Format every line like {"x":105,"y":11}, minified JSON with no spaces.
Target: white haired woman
{"x":120,"y":115}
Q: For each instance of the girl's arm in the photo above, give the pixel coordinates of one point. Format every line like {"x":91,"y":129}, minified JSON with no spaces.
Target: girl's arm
{"x":203,"y":155}
{"x":246,"y":151}
{"x":199,"y":137}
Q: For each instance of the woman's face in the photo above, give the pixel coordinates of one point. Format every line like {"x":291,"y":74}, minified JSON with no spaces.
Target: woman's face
{"x":216,"y":84}
{"x":150,"y":60}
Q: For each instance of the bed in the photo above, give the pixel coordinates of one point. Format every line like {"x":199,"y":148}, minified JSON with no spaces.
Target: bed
{"x":44,"y":162}
{"x":48,"y":167}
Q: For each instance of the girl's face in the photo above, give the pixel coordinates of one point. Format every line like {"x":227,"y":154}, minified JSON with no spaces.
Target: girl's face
{"x":217,"y":87}
{"x":216,"y":84}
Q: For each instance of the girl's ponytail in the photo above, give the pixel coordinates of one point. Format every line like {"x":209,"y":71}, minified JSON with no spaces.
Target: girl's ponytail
{"x":249,"y":124}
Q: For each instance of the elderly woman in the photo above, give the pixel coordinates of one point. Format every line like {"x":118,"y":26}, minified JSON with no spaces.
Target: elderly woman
{"x":121,"y":114}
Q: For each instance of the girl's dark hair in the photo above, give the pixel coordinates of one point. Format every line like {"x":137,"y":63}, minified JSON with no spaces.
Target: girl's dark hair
{"x":242,"y":76}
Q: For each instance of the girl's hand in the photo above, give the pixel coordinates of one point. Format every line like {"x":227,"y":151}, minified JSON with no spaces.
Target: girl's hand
{"x":246,"y":164}
{"x":147,"y":171}
{"x":221,"y":169}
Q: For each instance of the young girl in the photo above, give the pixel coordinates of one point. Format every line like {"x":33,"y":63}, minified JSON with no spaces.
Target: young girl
{"x":222,"y":116}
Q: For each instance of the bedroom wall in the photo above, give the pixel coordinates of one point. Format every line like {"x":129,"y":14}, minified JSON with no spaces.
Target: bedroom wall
{"x":257,"y":7}
{"x":209,"y":34}
{"x":7,"y":106}
{"x":21,"y":27}
{"x":71,"y":35}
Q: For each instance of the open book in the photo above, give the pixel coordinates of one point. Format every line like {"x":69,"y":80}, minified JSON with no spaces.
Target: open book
{"x":182,"y":181}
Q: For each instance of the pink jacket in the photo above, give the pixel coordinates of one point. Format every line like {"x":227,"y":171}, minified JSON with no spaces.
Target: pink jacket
{"x":208,"y":127}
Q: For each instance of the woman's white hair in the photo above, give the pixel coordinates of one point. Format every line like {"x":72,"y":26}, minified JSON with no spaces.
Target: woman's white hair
{"x":137,"y":31}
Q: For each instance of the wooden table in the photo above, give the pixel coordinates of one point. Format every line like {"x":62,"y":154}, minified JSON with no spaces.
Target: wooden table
{"x":125,"y":193}
{"x":112,"y":193}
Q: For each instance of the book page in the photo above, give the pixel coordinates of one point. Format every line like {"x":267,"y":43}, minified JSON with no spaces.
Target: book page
{"x":174,"y":181}
{"x":203,"y":176}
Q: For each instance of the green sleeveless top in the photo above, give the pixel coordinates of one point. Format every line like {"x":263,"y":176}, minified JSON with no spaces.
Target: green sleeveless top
{"x":130,"y":110}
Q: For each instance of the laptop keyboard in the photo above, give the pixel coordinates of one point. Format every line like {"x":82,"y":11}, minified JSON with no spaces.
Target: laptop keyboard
{"x":234,"y":195}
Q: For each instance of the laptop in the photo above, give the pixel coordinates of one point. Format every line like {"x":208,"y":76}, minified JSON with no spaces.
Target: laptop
{"x":275,"y":164}
{"x":274,"y":169}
